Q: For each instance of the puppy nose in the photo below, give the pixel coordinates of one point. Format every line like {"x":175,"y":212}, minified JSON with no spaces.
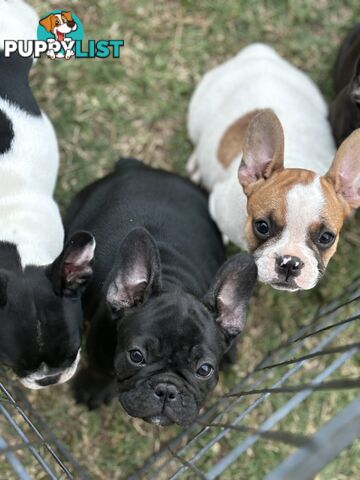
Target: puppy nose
{"x":51,"y":380}
{"x":71,"y":23}
{"x":166,"y":392}
{"x":289,"y":266}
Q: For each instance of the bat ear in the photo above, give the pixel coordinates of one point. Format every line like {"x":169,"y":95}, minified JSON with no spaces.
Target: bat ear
{"x":136,"y":273}
{"x":344,"y":172}
{"x":263,"y":151}
{"x":67,"y":15}
{"x":73,"y":269}
{"x":47,"y":22}
{"x":231,"y":291}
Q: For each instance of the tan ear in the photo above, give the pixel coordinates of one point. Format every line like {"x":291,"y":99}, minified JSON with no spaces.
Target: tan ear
{"x":48,"y":22}
{"x":67,"y":15}
{"x":344,"y":172}
{"x":263,"y":150}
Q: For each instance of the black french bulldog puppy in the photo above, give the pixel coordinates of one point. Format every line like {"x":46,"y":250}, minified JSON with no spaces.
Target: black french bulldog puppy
{"x":345,"y":109}
{"x":162,"y":312}
{"x":40,"y":281}
{"x":41,"y":318}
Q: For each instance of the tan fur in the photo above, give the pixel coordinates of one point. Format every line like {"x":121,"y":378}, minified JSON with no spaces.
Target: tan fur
{"x":334,"y":214}
{"x":232,"y":142}
{"x":269,"y":197}
{"x":67,"y":15}
{"x":263,"y":149}
{"x":345,"y":170}
{"x":48,"y":22}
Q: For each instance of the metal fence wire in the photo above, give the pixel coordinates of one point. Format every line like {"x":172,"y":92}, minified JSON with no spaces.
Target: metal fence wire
{"x":27,"y":443}
{"x":271,"y":406}
{"x":237,"y":428}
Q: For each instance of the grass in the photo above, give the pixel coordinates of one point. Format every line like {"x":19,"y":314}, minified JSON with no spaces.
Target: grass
{"x":137,"y":106}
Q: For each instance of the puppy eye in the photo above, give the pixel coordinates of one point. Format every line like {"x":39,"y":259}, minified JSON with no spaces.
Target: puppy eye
{"x":57,"y":22}
{"x":262,"y":228}
{"x":326,"y":239}
{"x":205,"y":370}
{"x":136,"y":357}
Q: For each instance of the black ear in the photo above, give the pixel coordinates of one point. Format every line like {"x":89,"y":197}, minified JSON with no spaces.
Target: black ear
{"x":231,"y":292}
{"x":355,"y":84}
{"x":72,"y":270}
{"x":136,"y":271}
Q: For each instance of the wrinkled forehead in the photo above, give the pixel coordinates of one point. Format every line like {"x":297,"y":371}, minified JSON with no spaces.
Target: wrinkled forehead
{"x":297,"y":199}
{"x":175,"y":323}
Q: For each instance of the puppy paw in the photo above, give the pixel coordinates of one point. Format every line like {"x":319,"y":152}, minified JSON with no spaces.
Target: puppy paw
{"x":93,"y":389}
{"x":226,"y":239}
{"x":69,"y":54}
{"x":51,"y":54}
{"x":192,"y":164}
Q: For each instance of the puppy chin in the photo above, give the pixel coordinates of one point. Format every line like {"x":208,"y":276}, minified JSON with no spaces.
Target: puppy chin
{"x":159,"y":420}
{"x":270,"y":277}
{"x":284,"y":287}
{"x":32,"y":381}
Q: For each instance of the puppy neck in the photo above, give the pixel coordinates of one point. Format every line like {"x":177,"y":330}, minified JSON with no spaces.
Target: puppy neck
{"x":9,"y":257}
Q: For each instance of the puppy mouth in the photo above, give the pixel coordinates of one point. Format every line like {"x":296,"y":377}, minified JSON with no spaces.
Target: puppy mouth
{"x":159,"y":420}
{"x":285,"y":286}
{"x":60,"y":36}
{"x":37,"y":380}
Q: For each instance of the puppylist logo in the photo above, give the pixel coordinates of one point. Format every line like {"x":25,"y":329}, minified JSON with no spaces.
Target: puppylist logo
{"x":60,"y":34}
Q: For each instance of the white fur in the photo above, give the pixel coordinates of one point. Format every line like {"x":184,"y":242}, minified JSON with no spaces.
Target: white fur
{"x":29,"y":217}
{"x":18,"y":21}
{"x":31,"y":381}
{"x":256,"y":78}
{"x":64,"y":29}
{"x":304,"y":207}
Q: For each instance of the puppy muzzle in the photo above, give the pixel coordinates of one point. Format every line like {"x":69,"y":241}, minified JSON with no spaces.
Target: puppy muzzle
{"x":44,"y":377}
{"x":160,"y":403}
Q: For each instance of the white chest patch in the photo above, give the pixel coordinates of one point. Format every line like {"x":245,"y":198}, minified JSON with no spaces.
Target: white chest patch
{"x":44,"y":372}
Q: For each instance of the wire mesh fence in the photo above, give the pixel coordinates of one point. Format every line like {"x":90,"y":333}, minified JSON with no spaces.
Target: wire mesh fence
{"x":29,"y":449}
{"x":268,"y":415}
{"x":247,"y":423}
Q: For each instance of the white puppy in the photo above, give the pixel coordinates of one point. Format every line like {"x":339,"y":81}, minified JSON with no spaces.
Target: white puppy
{"x":258,"y":111}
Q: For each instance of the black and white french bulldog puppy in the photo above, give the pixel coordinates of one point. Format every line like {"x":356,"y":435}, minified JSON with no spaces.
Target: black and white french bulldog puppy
{"x":40,"y":281}
{"x":163,"y":310}
{"x":345,"y":109}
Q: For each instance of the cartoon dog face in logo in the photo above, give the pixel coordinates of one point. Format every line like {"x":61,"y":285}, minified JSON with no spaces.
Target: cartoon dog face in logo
{"x":59,"y":24}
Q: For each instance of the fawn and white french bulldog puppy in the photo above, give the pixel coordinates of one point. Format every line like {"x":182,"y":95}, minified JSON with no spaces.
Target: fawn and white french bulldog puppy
{"x":40,"y":281}
{"x":163,"y":309}
{"x":345,"y":109}
{"x":263,"y":148}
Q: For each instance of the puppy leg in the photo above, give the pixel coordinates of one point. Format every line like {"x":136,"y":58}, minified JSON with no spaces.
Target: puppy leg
{"x":193,"y":169}
{"x":93,"y":389}
{"x":227,"y":206}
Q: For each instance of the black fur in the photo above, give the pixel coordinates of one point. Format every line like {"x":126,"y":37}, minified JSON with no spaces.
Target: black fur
{"x":40,"y":309}
{"x":157,"y":254}
{"x":14,"y":84}
{"x":345,"y":109}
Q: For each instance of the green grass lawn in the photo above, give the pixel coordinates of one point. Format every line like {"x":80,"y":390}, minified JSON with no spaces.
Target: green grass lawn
{"x":137,"y":106}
